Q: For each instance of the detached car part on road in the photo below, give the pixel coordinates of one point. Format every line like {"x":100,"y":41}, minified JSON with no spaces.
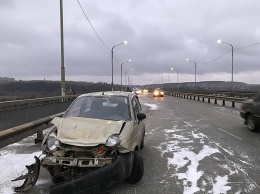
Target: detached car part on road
{"x":94,"y":146}
{"x":250,"y":111}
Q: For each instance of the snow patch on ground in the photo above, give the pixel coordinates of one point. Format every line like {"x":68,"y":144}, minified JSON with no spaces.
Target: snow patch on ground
{"x":198,"y":135}
{"x":152,"y":106}
{"x":192,"y":175}
{"x":219,"y":186}
{"x":188,"y":124}
{"x":186,"y":162}
{"x":14,"y":166}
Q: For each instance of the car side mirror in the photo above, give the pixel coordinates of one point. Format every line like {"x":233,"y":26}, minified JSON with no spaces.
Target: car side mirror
{"x":141,"y":116}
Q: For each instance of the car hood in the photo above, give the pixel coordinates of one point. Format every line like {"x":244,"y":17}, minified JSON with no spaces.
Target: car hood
{"x":85,"y":131}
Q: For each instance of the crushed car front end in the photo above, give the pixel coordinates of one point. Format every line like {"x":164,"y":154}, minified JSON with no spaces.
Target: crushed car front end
{"x":70,"y":156}
{"x":98,"y":180}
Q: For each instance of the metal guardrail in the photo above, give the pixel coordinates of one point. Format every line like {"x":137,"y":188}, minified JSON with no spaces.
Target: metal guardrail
{"x":15,"y":134}
{"x":18,"y":112}
{"x":22,"y":118}
{"x":220,"y":93}
{"x":215,"y":97}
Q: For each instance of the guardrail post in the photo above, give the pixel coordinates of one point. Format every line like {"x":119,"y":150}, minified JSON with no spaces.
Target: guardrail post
{"x":203,"y":99}
{"x":198,"y":98}
{"x":223,"y":103}
{"x":28,"y":112}
{"x":53,"y":106}
{"x":233,"y":104}
{"x":193,"y":97}
{"x":215,"y":101}
{"x":208,"y":100}
{"x":39,"y":137}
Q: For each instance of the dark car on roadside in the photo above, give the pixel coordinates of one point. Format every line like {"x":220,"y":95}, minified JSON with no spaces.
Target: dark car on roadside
{"x":250,"y":111}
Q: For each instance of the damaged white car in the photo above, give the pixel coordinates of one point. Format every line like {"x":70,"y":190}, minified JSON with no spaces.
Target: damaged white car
{"x":94,"y":145}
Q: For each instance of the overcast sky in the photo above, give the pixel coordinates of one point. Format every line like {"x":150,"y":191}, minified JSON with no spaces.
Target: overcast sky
{"x":161,"y":35}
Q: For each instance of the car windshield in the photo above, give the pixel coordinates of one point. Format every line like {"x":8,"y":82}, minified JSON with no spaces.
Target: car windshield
{"x":107,"y":108}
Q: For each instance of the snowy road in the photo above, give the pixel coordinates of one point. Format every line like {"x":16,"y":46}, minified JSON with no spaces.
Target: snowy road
{"x":190,"y":147}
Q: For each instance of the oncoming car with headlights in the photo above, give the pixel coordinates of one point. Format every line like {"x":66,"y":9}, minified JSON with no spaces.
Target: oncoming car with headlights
{"x":96,"y":143}
{"x":158,"y":92}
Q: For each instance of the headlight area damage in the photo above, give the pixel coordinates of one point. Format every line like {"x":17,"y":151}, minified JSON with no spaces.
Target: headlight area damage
{"x":82,"y":169}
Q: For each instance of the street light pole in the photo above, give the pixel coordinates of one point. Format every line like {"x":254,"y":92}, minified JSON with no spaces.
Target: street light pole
{"x":122,"y":69}
{"x":232,"y":49}
{"x":62,"y":52}
{"x":177,"y":74}
{"x":112,"y":52}
{"x":195,"y":68}
{"x":126,"y":75}
{"x":172,"y":78}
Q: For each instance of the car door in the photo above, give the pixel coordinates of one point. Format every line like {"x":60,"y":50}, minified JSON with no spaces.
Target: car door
{"x":138,"y":125}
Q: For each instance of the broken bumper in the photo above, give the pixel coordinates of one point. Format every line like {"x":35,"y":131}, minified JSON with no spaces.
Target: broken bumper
{"x":31,"y":177}
{"x":78,"y":162}
{"x":97,"y":181}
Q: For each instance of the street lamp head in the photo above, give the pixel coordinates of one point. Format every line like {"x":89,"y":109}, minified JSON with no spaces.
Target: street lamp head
{"x":172,"y":68}
{"x":187,"y":59}
{"x":131,"y":69}
{"x":125,"y":42}
{"x":129,"y":60}
{"x":219,"y":41}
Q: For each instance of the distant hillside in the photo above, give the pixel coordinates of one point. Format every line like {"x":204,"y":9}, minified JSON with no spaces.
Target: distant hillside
{"x":207,"y":85}
{"x":34,"y":89}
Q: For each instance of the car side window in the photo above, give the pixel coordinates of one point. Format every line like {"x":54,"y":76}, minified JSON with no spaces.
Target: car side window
{"x":138,"y":104}
{"x":136,"y":107}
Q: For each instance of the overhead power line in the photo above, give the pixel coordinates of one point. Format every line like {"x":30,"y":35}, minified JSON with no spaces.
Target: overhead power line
{"x":215,"y":58}
{"x":229,"y":52}
{"x":248,"y":46}
{"x":92,"y":26}
{"x":95,"y":30}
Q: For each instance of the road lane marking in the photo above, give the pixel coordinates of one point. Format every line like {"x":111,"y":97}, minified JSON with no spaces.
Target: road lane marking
{"x":230,"y":134}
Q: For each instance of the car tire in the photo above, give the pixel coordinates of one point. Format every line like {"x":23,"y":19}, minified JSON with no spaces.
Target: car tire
{"x":251,"y":124}
{"x":138,"y":169}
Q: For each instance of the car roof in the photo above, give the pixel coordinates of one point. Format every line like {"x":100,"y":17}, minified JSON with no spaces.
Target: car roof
{"x":109,"y":93}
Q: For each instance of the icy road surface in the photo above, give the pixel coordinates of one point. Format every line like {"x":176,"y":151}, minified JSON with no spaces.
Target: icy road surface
{"x":193,"y":147}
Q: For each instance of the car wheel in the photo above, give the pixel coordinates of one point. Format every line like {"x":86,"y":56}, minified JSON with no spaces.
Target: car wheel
{"x":251,"y":125}
{"x":138,"y":169}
